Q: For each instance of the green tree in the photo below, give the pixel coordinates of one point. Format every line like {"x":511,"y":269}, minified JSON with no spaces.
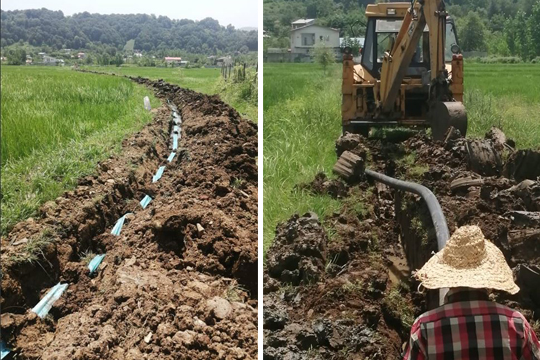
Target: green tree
{"x":472,"y":33}
{"x":16,"y":56}
{"x":522,"y":35}
{"x":534,"y":29}
{"x":496,"y":44}
{"x":354,"y":44}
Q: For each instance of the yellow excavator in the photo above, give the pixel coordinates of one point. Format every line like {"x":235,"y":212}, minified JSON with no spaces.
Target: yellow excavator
{"x":410,"y":72}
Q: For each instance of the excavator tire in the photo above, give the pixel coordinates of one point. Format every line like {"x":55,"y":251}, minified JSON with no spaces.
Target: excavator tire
{"x":443,"y":115}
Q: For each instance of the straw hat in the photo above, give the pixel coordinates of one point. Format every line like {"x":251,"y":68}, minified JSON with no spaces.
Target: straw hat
{"x":468,"y":260}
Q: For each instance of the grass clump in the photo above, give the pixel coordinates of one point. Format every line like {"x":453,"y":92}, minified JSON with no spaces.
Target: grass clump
{"x":413,"y":168}
{"x":399,"y":306}
{"x":234,"y":292}
{"x":32,"y":251}
{"x":358,"y":203}
{"x":87,"y":256}
{"x":356,"y":287}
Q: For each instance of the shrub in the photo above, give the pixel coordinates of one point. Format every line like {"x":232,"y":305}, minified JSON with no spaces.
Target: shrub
{"x":324,"y":55}
{"x":500,"y":60}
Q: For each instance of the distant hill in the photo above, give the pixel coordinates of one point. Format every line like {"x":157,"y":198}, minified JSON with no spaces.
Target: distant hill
{"x":42,"y":27}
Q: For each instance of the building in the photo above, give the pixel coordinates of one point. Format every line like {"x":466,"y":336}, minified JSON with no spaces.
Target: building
{"x":81,"y":55}
{"x":305,"y":38}
{"x":302,"y":22}
{"x":173,"y":60}
{"x":265,"y":35}
{"x":49,"y":60}
{"x":225,"y":60}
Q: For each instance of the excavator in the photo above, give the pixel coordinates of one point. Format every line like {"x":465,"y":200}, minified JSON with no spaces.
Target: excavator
{"x":410,"y":73}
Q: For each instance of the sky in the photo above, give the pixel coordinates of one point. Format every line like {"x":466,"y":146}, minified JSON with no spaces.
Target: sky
{"x":239,"y":13}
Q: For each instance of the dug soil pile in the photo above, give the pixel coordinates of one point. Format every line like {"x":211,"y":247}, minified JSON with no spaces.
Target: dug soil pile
{"x":180,"y":281}
{"x":341,"y":287}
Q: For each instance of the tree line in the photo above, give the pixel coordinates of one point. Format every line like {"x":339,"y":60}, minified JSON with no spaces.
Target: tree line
{"x":497,"y":27}
{"x":149,"y":33}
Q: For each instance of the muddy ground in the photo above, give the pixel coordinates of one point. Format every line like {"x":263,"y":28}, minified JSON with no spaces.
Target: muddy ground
{"x":180,"y":281}
{"x":341,"y":287}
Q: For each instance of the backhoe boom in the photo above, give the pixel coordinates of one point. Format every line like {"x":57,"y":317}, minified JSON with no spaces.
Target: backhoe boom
{"x":396,"y":62}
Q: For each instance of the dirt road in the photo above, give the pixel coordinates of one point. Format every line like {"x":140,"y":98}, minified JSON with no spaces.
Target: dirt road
{"x":340,"y":287}
{"x":179,"y":282}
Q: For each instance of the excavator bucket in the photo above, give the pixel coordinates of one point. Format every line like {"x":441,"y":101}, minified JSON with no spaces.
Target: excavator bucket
{"x":443,"y":115}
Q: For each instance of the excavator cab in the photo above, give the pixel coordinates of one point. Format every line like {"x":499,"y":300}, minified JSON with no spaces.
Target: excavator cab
{"x":413,"y":83}
{"x":380,"y":38}
{"x":381,"y":35}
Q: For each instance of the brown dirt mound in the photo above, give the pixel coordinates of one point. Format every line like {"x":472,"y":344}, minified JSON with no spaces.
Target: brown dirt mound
{"x":180,"y":281}
{"x":323,"y":186}
{"x":362,"y":301}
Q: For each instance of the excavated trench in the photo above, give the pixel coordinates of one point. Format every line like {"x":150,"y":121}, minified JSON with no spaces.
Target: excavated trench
{"x":341,"y":287}
{"x":180,"y":280}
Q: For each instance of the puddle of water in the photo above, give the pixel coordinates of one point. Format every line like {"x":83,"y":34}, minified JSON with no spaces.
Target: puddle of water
{"x":399,"y":269}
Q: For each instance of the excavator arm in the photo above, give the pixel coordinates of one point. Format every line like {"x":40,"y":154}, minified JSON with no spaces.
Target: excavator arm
{"x":396,"y":62}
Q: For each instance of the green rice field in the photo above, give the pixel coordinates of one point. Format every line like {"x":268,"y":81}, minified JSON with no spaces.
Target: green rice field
{"x":57,"y":124}
{"x":200,"y":80}
{"x":203,"y":80}
{"x":302,"y":121}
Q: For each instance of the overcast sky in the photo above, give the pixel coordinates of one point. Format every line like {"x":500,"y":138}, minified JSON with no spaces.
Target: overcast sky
{"x":239,"y":13}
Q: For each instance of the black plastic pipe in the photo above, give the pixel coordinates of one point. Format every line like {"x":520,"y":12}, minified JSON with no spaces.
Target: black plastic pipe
{"x":435,"y":210}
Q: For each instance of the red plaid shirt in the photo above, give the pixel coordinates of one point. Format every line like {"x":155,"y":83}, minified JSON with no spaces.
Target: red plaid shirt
{"x":469,"y":326}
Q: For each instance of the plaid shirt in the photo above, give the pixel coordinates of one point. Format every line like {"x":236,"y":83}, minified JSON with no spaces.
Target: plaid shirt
{"x":469,"y":326}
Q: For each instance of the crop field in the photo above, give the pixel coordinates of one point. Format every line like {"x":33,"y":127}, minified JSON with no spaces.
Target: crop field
{"x":204,"y":80}
{"x":200,"y":80}
{"x":56,"y":125}
{"x":302,"y":122}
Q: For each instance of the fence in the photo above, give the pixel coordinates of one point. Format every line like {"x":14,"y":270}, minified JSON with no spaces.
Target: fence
{"x":235,"y":72}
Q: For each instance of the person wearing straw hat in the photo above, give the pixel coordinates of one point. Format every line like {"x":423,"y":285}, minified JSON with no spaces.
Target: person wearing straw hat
{"x":469,"y":325}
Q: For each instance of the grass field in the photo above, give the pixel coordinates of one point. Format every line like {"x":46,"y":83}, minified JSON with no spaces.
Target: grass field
{"x":302,"y":120}
{"x":201,"y":80}
{"x":56,"y":125}
{"x":506,"y":95}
